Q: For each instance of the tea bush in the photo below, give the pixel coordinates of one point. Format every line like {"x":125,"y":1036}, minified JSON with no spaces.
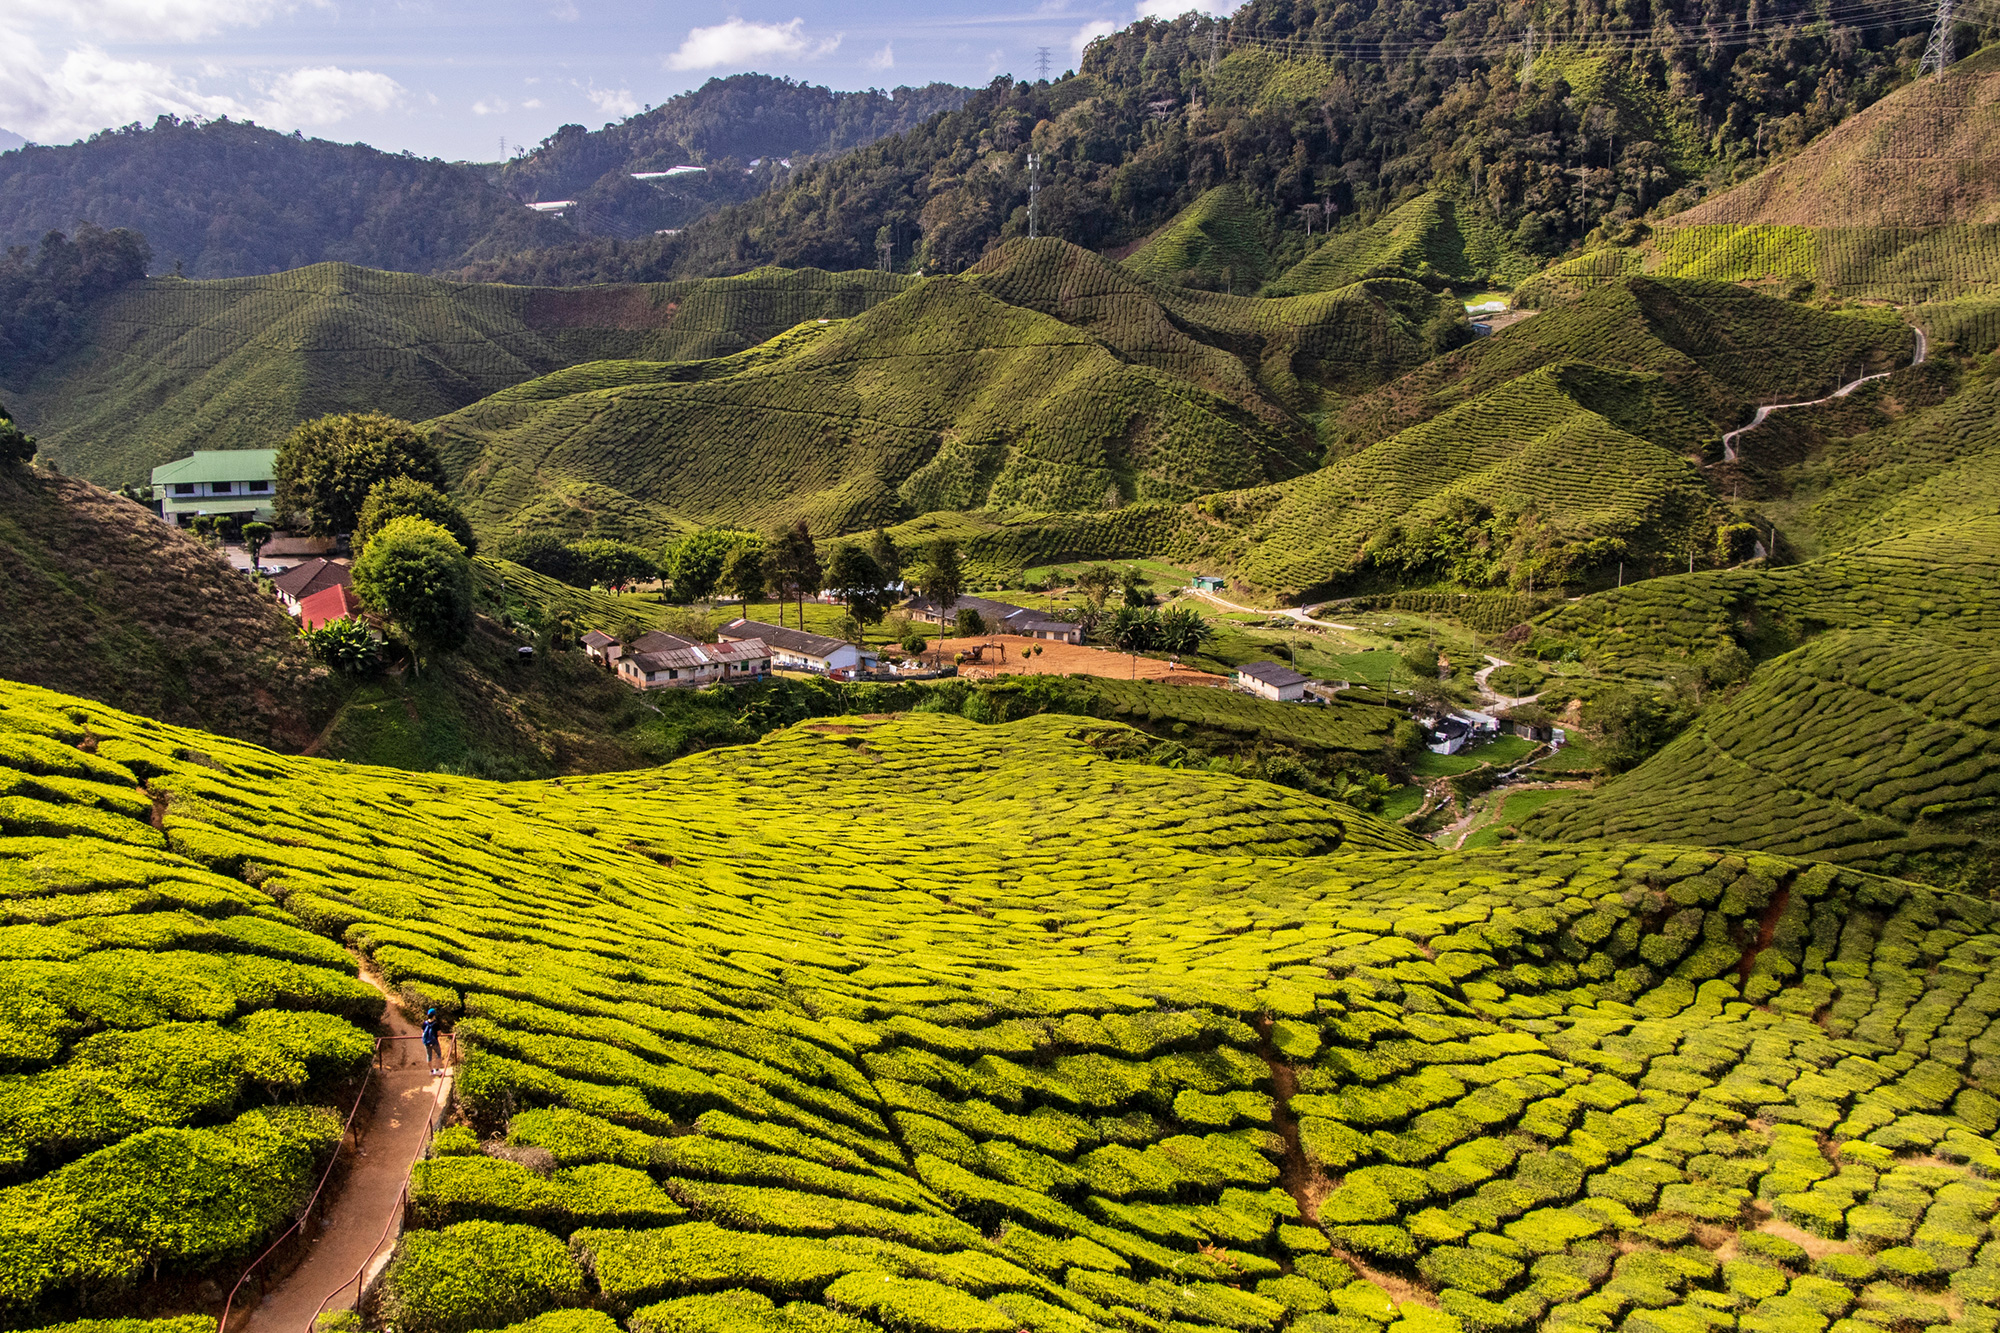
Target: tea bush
{"x":919,"y":1023}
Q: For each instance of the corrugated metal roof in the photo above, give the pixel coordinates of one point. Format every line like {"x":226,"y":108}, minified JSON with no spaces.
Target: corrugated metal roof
{"x":220,"y":465}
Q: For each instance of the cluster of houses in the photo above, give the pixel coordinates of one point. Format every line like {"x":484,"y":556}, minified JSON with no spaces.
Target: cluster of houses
{"x":998,"y":618}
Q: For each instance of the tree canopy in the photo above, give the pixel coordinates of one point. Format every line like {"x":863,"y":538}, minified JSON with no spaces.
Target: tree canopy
{"x":327,"y":466}
{"x":407,"y":497}
{"x":414,"y":573}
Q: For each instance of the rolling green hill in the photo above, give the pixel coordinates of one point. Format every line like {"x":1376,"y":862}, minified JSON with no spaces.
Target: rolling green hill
{"x":1432,"y":237}
{"x":1217,"y":242}
{"x":917,"y":1025}
{"x":167,"y":366}
{"x":1047,"y":379}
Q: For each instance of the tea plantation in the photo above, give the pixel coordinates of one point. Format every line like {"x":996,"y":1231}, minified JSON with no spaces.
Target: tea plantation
{"x":927,"y":1026}
{"x":1047,"y":379}
{"x":171,"y":365}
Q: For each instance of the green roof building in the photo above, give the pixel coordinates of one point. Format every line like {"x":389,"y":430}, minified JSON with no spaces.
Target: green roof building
{"x":241,"y":482}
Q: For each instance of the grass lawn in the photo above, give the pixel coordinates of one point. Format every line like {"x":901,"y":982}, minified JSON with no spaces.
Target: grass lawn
{"x":1402,"y":801}
{"x":1513,"y":809}
{"x":1579,"y":756}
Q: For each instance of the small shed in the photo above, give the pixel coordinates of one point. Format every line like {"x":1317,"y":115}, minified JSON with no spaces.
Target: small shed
{"x":1207,"y":583}
{"x":1271,"y":680}
{"x":601,"y":647}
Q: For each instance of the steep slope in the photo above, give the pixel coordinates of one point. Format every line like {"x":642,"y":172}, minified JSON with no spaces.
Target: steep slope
{"x":1048,"y":380}
{"x":103,"y":599}
{"x":168,"y":366}
{"x":1721,"y":348}
{"x":221,"y":199}
{"x":1897,"y":203}
{"x":1217,"y":242}
{"x":1299,"y":103}
{"x":914,"y":1024}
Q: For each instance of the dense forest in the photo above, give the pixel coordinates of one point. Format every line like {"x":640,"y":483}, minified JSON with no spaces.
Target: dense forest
{"x":44,"y":289}
{"x":227,"y":198}
{"x":743,"y":129}
{"x":1320,"y":110}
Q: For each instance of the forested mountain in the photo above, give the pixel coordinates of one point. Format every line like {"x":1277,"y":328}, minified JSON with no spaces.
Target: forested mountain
{"x":224,"y":198}
{"x":1347,"y":108}
{"x":743,"y":129}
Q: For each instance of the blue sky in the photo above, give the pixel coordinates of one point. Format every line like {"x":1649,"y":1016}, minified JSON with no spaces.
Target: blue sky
{"x":453,"y":78}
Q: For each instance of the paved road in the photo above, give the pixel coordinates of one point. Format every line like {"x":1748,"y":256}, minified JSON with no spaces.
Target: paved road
{"x":1729,"y":440}
{"x":357,"y":1231}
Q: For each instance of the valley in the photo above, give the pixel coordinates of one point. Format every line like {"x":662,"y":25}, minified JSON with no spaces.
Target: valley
{"x":1140,"y":771}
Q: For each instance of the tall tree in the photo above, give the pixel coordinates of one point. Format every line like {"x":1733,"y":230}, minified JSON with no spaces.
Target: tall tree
{"x":887,"y":557}
{"x":254,"y":537}
{"x":15,"y":447}
{"x":414,"y":573}
{"x":744,"y":576}
{"x":859,"y":582}
{"x":1135,"y":629}
{"x":795,"y":567}
{"x":695,"y":563}
{"x":941,"y":577}
{"x":1096,"y":584}
{"x":327,"y":466}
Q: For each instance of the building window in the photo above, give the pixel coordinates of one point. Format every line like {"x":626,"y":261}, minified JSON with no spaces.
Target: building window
{"x":184,"y":488}
{"x":258,"y":487}
{"x":218,"y":488}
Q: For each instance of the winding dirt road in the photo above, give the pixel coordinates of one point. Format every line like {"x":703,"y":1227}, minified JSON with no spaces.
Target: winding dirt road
{"x":1729,"y":440}
{"x":1302,"y":616}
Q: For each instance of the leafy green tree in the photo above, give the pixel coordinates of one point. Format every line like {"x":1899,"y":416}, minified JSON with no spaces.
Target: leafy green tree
{"x":1183,"y":631}
{"x":695,"y":563}
{"x":327,"y":466}
{"x":795,"y":568}
{"x":968,"y":624}
{"x":1135,"y":629}
{"x":744,"y":576}
{"x":407,"y":497}
{"x":549,"y":554}
{"x":346,"y":645}
{"x":414,"y":573}
{"x":1421,"y":661}
{"x":940,"y":577}
{"x":600,"y":560}
{"x":1134,"y":590}
{"x":255,"y":535}
{"x":859,"y":582}
{"x":1630,"y":726}
{"x":16,"y":449}
{"x":913,"y":641}
{"x":888,"y":558}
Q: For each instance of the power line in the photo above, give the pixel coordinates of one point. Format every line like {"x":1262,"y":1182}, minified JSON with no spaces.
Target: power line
{"x":1937,"y":52}
{"x":1034,"y":188}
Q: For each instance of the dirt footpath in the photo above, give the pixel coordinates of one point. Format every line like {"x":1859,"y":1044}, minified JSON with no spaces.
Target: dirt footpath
{"x":1004,"y":656}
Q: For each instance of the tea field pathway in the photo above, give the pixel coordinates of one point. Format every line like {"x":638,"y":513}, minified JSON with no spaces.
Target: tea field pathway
{"x":1729,"y":440}
{"x":356,"y":1230}
{"x":1487,"y":694}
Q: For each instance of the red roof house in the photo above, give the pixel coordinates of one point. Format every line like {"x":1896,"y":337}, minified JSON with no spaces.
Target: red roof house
{"x":328,"y":605}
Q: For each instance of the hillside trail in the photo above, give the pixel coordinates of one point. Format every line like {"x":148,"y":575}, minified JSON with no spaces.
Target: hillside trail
{"x":1303,"y":616}
{"x":357,"y":1231}
{"x":1729,"y":440}
{"x":1487,"y":694}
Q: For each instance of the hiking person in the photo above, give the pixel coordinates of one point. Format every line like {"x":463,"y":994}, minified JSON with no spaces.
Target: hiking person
{"x":431,"y":1041}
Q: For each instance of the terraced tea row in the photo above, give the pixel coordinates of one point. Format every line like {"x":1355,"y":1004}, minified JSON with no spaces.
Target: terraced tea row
{"x":1867,"y":747}
{"x":928,"y":1026}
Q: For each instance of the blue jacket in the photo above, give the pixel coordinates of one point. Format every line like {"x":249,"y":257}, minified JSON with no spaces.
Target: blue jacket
{"x":430,"y":1032}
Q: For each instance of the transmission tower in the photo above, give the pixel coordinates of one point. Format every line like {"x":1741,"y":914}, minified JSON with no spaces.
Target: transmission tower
{"x":1528,"y":59}
{"x":1034,"y":188}
{"x":1937,"y":53}
{"x":1042,"y":62}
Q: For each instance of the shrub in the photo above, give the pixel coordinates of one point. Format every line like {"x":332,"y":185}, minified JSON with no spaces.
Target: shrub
{"x":912,"y":1305}
{"x":478,"y":1275}
{"x":414,"y":573}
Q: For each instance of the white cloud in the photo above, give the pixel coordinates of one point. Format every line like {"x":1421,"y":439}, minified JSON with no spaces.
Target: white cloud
{"x":169,"y":20}
{"x":86,"y":90}
{"x":883,"y":59}
{"x":734,"y":42}
{"x":1173,"y":9}
{"x":532,"y":104}
{"x":1090,"y":32}
{"x":326,"y":95}
{"x":617,"y":102}
{"x":568,"y":13}
{"x":483,"y":107}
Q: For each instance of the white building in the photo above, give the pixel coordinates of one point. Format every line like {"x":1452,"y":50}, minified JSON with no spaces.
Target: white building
{"x":1269,"y":680}
{"x":693,"y":665}
{"x":800,"y":650}
{"x":238,"y":483}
